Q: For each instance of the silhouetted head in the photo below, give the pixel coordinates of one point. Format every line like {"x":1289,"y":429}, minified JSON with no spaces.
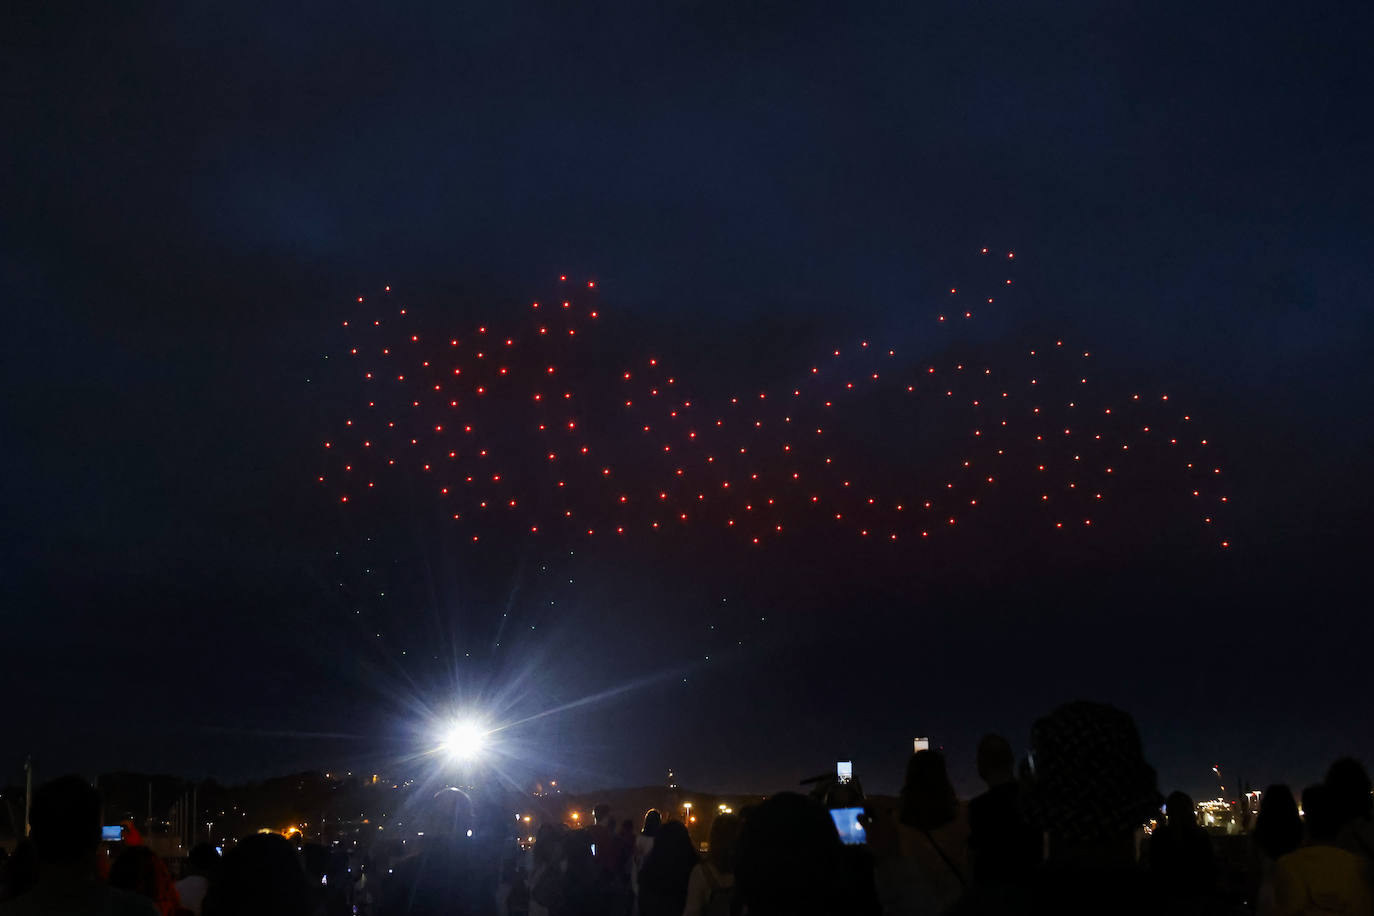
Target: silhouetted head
{"x":1349,"y":786}
{"x":928,"y":799}
{"x":1278,"y":829}
{"x":789,"y":861}
{"x":138,"y":869}
{"x":724,"y":838}
{"x":1180,"y":809}
{"x":1089,"y":778}
{"x":261,"y":876}
{"x":996,"y":762}
{"x":672,"y":853}
{"x":65,"y":821}
{"x":203,"y":860}
{"x":548,"y":844}
{"x":1320,"y":814}
{"x":601,"y":813}
{"x":652,"y":821}
{"x":1181,"y":853}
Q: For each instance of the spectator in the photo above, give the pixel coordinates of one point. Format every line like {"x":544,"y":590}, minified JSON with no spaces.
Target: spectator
{"x":578,"y":885}
{"x":546,"y":871}
{"x":789,"y":861}
{"x":1349,"y":786}
{"x":65,"y":828}
{"x":1278,"y":831}
{"x":601,"y":832}
{"x":1002,"y":846}
{"x":624,"y":847}
{"x":1089,"y":788}
{"x":1321,"y":877}
{"x":901,"y":887}
{"x":138,"y":869}
{"x":643,"y":844}
{"x":934,"y":827}
{"x":201,"y":865}
{"x":712,"y":881}
{"x":663,"y":879}
{"x":1180,"y":853}
{"x":261,"y":876}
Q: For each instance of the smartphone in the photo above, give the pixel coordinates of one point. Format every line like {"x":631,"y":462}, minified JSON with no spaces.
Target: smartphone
{"x":111,"y":834}
{"x":921,"y":744}
{"x":850,"y":828}
{"x":844,"y":770}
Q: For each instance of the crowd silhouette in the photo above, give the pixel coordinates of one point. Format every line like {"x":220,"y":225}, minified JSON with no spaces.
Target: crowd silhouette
{"x":1079,"y":827}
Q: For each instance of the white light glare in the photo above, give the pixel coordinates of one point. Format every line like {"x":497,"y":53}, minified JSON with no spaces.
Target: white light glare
{"x":464,"y":740}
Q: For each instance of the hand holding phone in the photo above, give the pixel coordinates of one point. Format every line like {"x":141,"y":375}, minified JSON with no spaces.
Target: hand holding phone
{"x":849,"y":824}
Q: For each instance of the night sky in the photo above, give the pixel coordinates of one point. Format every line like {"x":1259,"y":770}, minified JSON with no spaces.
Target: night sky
{"x":196,"y":197}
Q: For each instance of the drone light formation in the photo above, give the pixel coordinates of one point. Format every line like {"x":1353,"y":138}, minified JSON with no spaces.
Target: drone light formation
{"x":759,"y":467}
{"x":864,"y":448}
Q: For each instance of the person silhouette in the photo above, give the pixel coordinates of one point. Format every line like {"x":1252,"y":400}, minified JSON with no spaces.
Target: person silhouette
{"x":934,"y":830}
{"x":663,"y":879}
{"x":201,"y":865}
{"x":1089,"y":789}
{"x":1322,"y":877}
{"x":1278,"y":831}
{"x":790,"y":862}
{"x":1349,"y":786}
{"x":1181,"y":859}
{"x":138,"y":869}
{"x":261,"y":876}
{"x":1002,"y":846}
{"x":64,"y":825}
{"x":713,"y":879}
